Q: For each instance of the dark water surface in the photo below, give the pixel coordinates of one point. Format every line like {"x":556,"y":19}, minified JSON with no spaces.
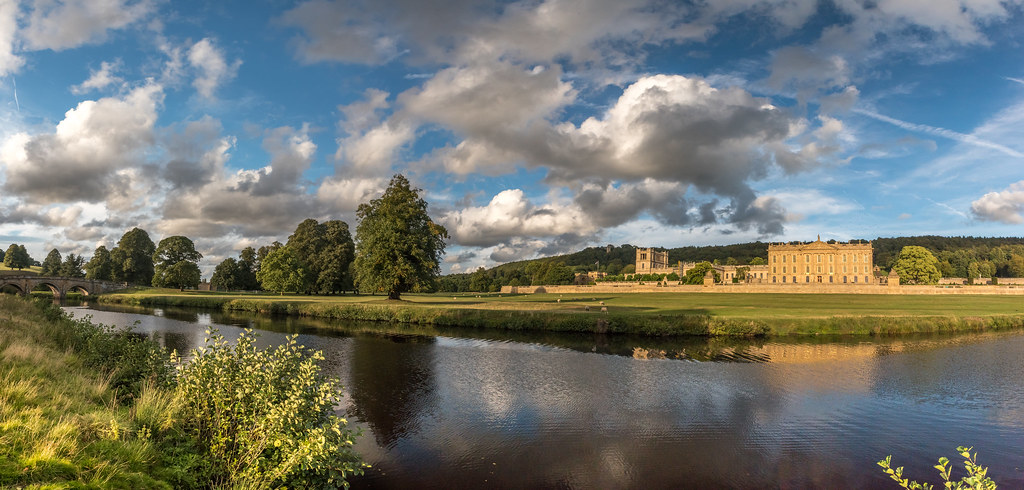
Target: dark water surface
{"x":487,"y":409}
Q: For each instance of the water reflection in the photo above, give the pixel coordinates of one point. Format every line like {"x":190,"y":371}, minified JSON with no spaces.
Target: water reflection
{"x":476,"y":408}
{"x":392,"y":385}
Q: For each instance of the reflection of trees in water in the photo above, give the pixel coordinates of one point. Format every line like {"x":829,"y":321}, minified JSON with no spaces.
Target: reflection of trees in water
{"x":392,"y":385}
{"x":177,"y":342}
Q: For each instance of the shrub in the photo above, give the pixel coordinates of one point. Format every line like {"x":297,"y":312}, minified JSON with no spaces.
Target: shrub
{"x":977,"y":476}
{"x":266,"y":417}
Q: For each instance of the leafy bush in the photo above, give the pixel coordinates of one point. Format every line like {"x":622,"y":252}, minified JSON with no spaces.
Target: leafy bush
{"x":266,"y":417}
{"x":129,"y":359}
{"x":977,"y":476}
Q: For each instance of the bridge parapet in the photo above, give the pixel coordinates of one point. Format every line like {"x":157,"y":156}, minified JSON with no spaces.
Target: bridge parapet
{"x":59,"y":285}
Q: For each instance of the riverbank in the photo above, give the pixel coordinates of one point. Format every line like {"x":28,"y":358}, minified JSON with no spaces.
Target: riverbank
{"x":83,"y":405}
{"x":657,"y":314}
{"x":66,"y":422}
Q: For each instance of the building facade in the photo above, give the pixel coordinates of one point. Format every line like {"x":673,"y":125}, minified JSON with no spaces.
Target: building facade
{"x":819,"y":262}
{"x":651,"y":261}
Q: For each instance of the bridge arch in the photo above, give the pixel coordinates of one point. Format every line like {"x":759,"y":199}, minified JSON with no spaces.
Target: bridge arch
{"x":12,"y":285}
{"x":77,"y":288}
{"x":57,"y":293}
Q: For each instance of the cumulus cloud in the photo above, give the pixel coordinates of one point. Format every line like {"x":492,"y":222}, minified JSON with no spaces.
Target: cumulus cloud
{"x":91,"y":155}
{"x":61,"y":216}
{"x":213,"y":69}
{"x":72,"y":23}
{"x":262,"y":202}
{"x":9,"y":62}
{"x":1006,"y":206}
{"x":510,"y":214}
{"x":99,"y":79}
{"x":196,"y":153}
{"x":345,"y":194}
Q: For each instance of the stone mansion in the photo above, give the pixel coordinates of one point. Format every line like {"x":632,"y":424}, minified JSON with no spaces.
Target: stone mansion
{"x":817,"y":262}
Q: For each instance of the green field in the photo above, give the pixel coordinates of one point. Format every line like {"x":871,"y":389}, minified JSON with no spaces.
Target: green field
{"x":28,"y":271}
{"x":647,"y":313}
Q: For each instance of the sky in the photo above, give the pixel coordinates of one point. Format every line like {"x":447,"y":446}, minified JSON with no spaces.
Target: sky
{"x":533,"y":127}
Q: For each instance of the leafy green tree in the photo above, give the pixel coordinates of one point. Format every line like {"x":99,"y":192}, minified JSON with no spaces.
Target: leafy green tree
{"x":480,"y":280}
{"x":327,"y":251}
{"x":696,"y":274}
{"x":917,"y":265}
{"x":398,"y":247}
{"x":225,"y":276}
{"x":628,"y":269}
{"x":558,"y":274}
{"x":2,"y":255}
{"x":248,"y":264}
{"x":17,"y":257}
{"x":741,"y":274}
{"x":99,"y":266}
{"x":336,"y":258}
{"x":176,"y":263}
{"x":51,"y":264}
{"x":72,"y":266}
{"x":757,"y":261}
{"x":281,"y":270}
{"x":132,"y":259}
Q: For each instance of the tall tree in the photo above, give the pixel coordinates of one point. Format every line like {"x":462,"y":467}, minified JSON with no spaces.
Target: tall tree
{"x":282,"y":271}
{"x":72,"y":266}
{"x":917,"y":265}
{"x":51,"y":264}
{"x":398,"y":247}
{"x":99,"y":266}
{"x":246,"y":272}
{"x":2,"y":255}
{"x":176,"y":263}
{"x":17,"y":257}
{"x":335,"y":259}
{"x":225,"y":276}
{"x":132,"y":258}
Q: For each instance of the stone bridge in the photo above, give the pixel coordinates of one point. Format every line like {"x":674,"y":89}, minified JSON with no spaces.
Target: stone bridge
{"x":59,"y":285}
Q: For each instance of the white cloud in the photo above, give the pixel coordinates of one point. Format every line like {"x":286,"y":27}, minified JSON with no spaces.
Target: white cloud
{"x":92,"y":154}
{"x":99,"y":79}
{"x":66,"y":24}
{"x":1006,"y":206}
{"x":344,"y":194}
{"x":213,"y":69}
{"x":9,"y":62}
{"x":486,"y":97}
{"x":510,"y":214}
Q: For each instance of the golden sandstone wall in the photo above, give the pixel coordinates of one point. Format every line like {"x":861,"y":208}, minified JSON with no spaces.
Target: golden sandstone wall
{"x":632,"y":287}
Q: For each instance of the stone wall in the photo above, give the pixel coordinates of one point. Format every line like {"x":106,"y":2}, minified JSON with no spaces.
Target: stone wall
{"x":632,"y":287}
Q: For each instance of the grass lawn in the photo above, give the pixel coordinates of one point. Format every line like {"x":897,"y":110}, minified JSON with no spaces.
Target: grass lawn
{"x":28,"y":271}
{"x":721,"y":305}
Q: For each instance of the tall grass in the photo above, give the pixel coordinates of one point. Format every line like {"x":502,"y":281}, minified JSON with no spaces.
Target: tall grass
{"x":84,"y":405}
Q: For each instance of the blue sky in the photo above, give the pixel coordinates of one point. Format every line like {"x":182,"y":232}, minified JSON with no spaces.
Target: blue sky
{"x":534,"y":127}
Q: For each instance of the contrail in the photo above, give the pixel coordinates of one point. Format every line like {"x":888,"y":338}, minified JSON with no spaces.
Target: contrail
{"x":15,"y":80}
{"x":943,"y":132}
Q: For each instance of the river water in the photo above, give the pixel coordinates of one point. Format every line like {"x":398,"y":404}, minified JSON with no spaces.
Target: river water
{"x":487,"y":409}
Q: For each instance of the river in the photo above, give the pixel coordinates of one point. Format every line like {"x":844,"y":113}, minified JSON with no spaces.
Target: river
{"x":488,"y":409}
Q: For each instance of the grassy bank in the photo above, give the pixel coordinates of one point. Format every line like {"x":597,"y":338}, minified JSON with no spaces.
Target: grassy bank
{"x":657,"y":314}
{"x":89,"y":406}
{"x":66,"y":421}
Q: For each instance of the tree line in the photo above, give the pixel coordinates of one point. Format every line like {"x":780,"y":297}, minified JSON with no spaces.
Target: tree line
{"x":397,"y":249}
